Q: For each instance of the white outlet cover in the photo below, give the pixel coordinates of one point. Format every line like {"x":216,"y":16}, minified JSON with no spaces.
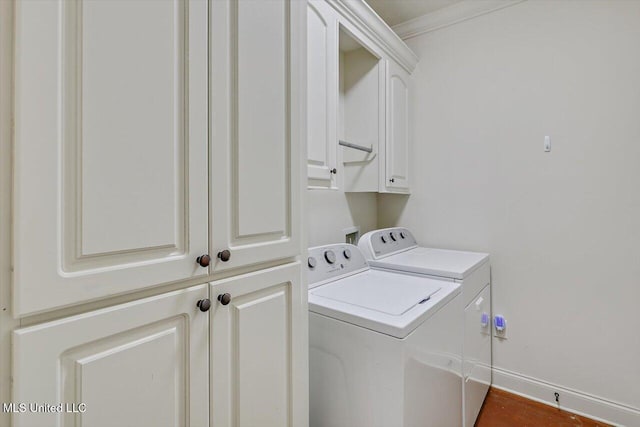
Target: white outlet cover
{"x":351,"y":230}
{"x":500,"y":334}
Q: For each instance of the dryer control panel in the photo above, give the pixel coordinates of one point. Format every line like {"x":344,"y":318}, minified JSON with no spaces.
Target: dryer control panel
{"x":380,"y":243}
{"x":333,"y":261}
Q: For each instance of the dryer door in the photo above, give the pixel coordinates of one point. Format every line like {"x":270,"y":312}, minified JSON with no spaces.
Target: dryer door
{"x":476,"y":354}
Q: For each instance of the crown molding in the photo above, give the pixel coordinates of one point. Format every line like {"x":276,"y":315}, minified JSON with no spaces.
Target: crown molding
{"x":457,"y":12}
{"x":360,"y":14}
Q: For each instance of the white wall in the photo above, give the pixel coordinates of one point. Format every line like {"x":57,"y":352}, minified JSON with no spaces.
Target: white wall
{"x":563,"y":228}
{"x":329,"y":212}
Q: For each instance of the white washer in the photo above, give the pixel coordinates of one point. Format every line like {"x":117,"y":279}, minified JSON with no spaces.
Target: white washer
{"x":385,"y":347}
{"x":395,"y":249}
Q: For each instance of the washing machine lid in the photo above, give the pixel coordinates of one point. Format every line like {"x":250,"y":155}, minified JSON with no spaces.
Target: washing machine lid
{"x":383,"y":301}
{"x":434,"y":262}
{"x":392,"y":294}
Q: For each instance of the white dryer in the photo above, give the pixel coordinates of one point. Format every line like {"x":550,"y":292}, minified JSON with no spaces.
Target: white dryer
{"x":385,"y":347}
{"x":396,"y":249}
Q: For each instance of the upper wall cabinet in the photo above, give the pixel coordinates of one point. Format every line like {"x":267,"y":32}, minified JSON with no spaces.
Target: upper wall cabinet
{"x":322,"y":92}
{"x":396,"y":164}
{"x":361,"y":111}
{"x":255,"y":99}
{"x":111,"y":147}
{"x":358,"y":99}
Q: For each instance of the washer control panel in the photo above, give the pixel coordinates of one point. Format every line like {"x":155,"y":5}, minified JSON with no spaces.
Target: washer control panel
{"x":331,"y":261}
{"x":379,"y":243}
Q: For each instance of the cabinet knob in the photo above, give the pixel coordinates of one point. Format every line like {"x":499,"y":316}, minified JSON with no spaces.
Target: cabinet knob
{"x":334,"y":171}
{"x":224,"y":255}
{"x":392,"y":180}
{"x":224,"y":299}
{"x":204,"y":304}
{"x":203,"y":260}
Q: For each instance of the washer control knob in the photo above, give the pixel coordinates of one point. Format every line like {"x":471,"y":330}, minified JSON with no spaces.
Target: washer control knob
{"x":312,"y":262}
{"x":384,"y":239}
{"x":393,"y":237}
{"x":330,"y":256}
{"x":402,"y":235}
{"x":347,"y":253}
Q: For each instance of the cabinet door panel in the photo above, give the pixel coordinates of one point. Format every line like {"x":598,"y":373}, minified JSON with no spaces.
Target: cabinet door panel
{"x":262,"y":124}
{"x":142,"y":363}
{"x":110,"y":148}
{"x":105,"y":131}
{"x":255,"y":130}
{"x":397,"y":152}
{"x":322,"y":90}
{"x":258,"y":350}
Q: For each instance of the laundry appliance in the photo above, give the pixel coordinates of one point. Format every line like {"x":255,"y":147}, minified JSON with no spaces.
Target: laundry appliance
{"x":396,"y":250}
{"x":385,"y":347}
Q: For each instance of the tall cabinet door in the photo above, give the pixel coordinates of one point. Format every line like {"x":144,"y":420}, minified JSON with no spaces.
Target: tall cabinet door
{"x":110,"y":148}
{"x":322,"y":94}
{"x":397,"y":149}
{"x":143,"y":363}
{"x":259,"y":366}
{"x":257,"y":125}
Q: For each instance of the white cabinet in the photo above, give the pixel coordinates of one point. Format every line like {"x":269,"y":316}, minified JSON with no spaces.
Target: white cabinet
{"x":147,"y":134}
{"x":259,"y":350}
{"x":110,"y":148}
{"x":141,"y":147}
{"x":351,"y":52}
{"x":255,"y":99}
{"x":161,"y":361}
{"x":396,"y":164}
{"x":143,"y":363}
{"x":322,"y":92}
{"x":361,"y":108}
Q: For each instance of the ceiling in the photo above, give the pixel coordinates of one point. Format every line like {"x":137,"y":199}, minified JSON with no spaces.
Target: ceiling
{"x":398,"y":11}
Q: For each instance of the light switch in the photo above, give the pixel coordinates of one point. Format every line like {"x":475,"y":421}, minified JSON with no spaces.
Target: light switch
{"x":547,"y":143}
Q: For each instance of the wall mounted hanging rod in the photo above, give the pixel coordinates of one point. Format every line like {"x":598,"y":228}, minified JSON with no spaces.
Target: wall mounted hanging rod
{"x":355,"y":146}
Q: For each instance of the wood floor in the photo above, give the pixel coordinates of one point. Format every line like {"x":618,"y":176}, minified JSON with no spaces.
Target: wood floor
{"x":502,"y":409}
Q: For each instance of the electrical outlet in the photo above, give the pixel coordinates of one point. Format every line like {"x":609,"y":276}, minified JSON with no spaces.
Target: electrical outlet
{"x":499,"y":326}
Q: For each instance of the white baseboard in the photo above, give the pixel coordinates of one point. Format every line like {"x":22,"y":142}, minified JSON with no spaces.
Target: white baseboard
{"x":570,"y":400}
